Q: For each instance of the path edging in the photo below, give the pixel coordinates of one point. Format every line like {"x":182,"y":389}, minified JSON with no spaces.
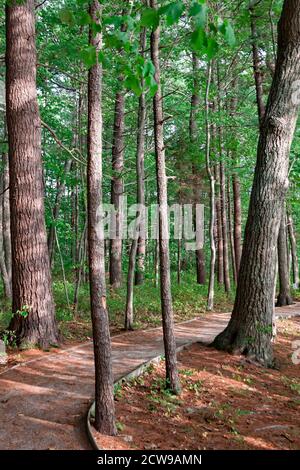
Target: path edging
{"x":133,"y":374}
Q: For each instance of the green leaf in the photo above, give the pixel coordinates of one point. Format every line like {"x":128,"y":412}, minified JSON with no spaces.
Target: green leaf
{"x":133,"y":83}
{"x":198,"y":39}
{"x":173,"y":12}
{"x":84,"y":19}
{"x":89,"y":56}
{"x":226,"y":29}
{"x":212,"y":48}
{"x":150,"y":18}
{"x":199,"y":12}
{"x":66,"y":16}
{"x":151,"y":84}
{"x":148,"y":68}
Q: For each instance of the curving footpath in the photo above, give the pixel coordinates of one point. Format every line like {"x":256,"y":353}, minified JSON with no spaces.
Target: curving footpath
{"x":44,"y":401}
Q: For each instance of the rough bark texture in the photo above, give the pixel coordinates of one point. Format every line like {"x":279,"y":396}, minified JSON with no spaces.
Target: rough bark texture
{"x":165,"y":279}
{"x":293,"y":243}
{"x":104,"y":412}
{"x":250,"y":328}
{"x":195,"y":102}
{"x":31,"y":279}
{"x":284,"y":296}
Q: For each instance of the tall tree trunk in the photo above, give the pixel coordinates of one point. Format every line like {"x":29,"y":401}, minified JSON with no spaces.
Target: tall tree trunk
{"x":105,"y":410}
{"x":293,"y":243}
{"x":195,"y":102}
{"x":140,"y":167}
{"x":250,"y":328}
{"x":211,"y":285}
{"x":165,"y":278}
{"x":31,"y":278}
{"x":284,"y":297}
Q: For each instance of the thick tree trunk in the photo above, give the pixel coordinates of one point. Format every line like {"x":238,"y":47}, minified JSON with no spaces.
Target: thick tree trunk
{"x":293,"y":243}
{"x":195,"y":102}
{"x":250,"y":328}
{"x":31,"y":278}
{"x":165,"y":278}
{"x":284,"y":297}
{"x":104,"y":412}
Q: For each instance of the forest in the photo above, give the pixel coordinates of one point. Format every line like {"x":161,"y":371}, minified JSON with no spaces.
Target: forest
{"x":149,"y":226}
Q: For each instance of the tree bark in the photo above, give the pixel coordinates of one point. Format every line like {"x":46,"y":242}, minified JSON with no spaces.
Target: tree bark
{"x":105,"y":410}
{"x":31,"y":278}
{"x":165,"y":278}
{"x":284,"y":297}
{"x":293,"y":243}
{"x":250,"y":329}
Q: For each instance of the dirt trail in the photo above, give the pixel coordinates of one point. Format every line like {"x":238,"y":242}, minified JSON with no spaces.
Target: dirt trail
{"x":43,"y":401}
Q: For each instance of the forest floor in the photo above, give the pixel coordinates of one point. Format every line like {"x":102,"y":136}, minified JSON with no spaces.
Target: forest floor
{"x":44,"y":399}
{"x":226,"y":403}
